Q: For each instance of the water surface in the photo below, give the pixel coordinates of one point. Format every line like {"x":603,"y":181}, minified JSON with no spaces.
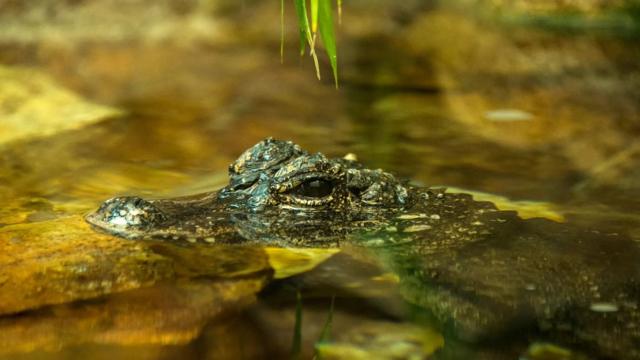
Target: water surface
{"x":432,"y":94}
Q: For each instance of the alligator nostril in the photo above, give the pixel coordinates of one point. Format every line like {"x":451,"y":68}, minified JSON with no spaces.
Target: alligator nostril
{"x":128,"y":212}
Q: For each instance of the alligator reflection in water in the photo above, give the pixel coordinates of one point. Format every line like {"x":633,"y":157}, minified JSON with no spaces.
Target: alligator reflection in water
{"x":479,"y":270}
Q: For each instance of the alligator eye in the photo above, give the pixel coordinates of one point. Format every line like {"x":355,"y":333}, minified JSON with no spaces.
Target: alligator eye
{"x":313,"y":188}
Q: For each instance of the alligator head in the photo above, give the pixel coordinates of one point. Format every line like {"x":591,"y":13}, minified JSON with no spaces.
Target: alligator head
{"x":277,"y":192}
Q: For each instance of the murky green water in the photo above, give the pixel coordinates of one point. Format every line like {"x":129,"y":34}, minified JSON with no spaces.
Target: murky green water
{"x":433,"y":94}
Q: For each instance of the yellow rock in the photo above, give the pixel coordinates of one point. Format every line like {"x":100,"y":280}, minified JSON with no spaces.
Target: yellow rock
{"x":383,"y":340}
{"x":52,"y":262}
{"x":63,"y":260}
{"x":288,"y":262}
{"x":33,"y":105}
{"x":526,"y":209}
{"x":548,"y":351}
{"x":167,"y":314}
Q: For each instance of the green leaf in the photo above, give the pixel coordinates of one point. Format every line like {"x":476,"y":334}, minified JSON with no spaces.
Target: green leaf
{"x":325,"y":334}
{"x":325,"y":21}
{"x":296,"y":346}
{"x":314,"y":15}
{"x":281,"y":31}
{"x":303,"y":24}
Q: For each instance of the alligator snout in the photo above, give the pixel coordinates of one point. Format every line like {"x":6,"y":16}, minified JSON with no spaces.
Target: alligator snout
{"x":126,"y":213}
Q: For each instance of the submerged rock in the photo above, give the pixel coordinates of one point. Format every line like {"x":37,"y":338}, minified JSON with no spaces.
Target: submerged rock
{"x":166,"y":314}
{"x":382,"y":340}
{"x":60,"y":261}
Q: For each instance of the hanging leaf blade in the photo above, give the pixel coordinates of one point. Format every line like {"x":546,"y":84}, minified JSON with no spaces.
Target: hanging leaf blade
{"x":314,"y":15}
{"x":303,"y":24}
{"x":281,"y":31}
{"x":325,"y":23}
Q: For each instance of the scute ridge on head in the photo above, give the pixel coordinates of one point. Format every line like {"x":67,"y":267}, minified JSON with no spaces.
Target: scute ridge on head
{"x":264,"y":157}
{"x":267,"y":174}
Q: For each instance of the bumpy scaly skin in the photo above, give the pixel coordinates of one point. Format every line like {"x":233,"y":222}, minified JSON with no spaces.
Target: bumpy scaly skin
{"x":478,"y":269}
{"x":126,"y":213}
{"x":268,"y":172}
{"x":277,"y":193}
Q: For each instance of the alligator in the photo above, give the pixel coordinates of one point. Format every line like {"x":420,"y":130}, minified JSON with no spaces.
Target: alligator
{"x":482,"y":272}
